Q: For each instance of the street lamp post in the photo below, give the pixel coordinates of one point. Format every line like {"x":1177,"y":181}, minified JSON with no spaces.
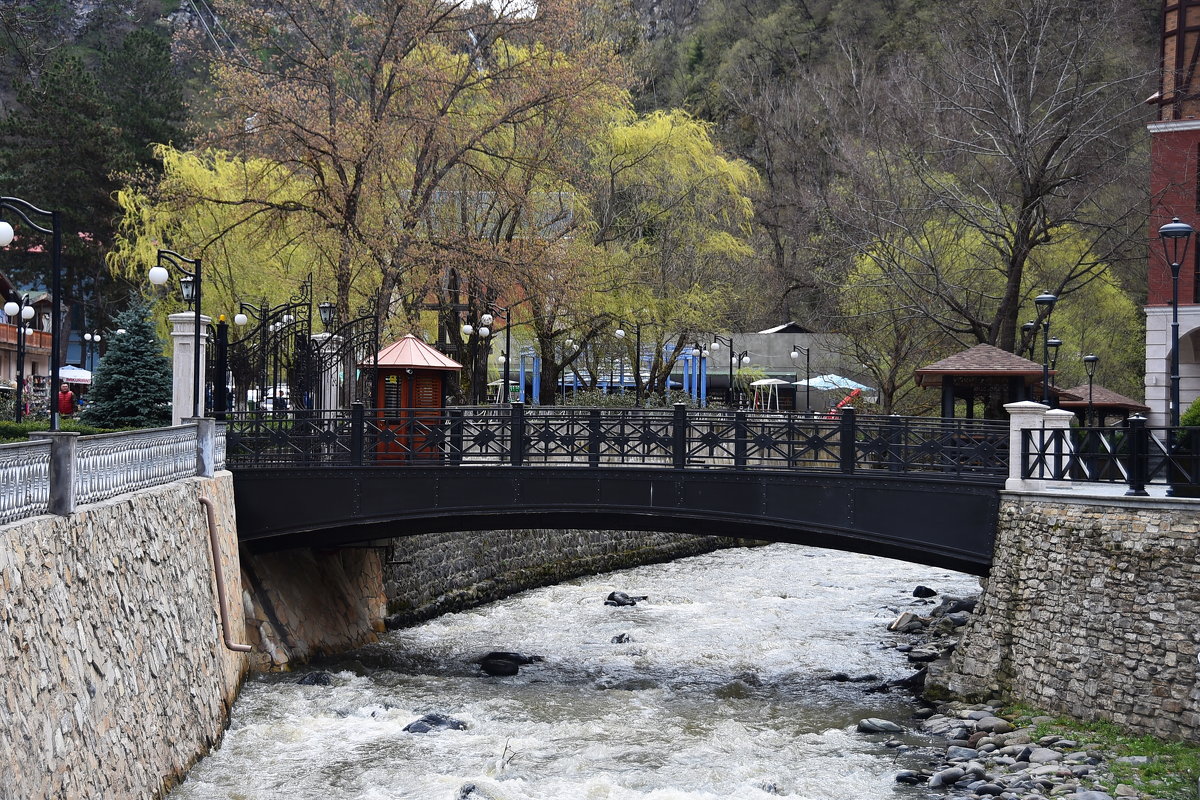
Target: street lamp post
{"x":23,"y":209}
{"x":795,"y":354}
{"x":1089,"y":364}
{"x":91,"y":340}
{"x":485,"y":331}
{"x":1045,"y":303}
{"x":189,"y":285}
{"x":1030,"y":330}
{"x":1175,"y":236}
{"x":21,"y":312}
{"x":637,"y":360}
{"x":735,"y":358}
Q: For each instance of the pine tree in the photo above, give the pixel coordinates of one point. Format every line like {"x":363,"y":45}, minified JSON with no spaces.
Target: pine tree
{"x":132,"y":386}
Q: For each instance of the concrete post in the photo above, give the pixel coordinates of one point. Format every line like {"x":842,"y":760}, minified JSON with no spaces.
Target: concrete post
{"x":206,"y":445}
{"x":183,"y":342}
{"x":1058,"y":419}
{"x":1022,"y":416}
{"x":64,"y":456}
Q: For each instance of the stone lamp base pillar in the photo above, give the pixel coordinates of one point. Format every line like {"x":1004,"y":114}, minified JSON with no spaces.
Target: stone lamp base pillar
{"x":183,"y":343}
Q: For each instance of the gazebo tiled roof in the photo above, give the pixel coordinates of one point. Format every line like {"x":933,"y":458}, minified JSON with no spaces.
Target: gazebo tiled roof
{"x":1103,"y":398}
{"x":412,"y":352}
{"x":980,"y":361}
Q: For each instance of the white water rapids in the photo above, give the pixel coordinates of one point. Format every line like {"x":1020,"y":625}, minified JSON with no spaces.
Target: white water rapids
{"x":721,"y":692}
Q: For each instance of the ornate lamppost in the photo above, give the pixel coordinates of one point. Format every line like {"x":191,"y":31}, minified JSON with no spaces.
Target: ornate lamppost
{"x":23,"y":209}
{"x":91,"y":348}
{"x":1175,"y":236}
{"x":735,"y":359}
{"x":21,"y":312}
{"x":1045,"y":304}
{"x":637,"y":360}
{"x":1090,"y":362}
{"x":189,"y":285}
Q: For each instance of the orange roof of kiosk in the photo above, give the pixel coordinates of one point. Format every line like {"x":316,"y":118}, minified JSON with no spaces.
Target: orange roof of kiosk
{"x":411,"y":352}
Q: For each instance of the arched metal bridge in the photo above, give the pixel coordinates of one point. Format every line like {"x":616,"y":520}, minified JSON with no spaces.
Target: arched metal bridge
{"x":922,"y":490}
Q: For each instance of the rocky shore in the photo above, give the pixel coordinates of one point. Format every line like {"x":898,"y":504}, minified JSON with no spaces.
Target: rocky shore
{"x":978,"y":751}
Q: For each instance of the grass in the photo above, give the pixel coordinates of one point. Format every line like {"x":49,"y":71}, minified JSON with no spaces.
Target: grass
{"x":1171,"y":773}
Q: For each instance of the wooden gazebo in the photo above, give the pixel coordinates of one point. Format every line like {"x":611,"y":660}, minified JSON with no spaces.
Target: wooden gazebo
{"x":1105,"y":403}
{"x":983,"y":372}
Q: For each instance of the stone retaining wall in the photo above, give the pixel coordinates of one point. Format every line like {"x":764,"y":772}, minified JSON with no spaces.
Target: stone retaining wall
{"x":436,"y":574}
{"x":1092,"y":610}
{"x":304,"y":603}
{"x":115,"y":676}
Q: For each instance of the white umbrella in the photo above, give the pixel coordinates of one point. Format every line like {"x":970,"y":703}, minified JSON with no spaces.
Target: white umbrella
{"x":766,"y":392}
{"x":71,"y":374}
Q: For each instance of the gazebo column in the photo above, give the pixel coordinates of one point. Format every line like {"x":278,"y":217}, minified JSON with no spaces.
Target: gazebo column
{"x":1017,"y":390}
{"x":969,"y":396}
{"x":948,"y":397}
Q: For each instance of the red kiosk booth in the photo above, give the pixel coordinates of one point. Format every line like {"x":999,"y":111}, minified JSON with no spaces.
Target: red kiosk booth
{"x":412,"y":382}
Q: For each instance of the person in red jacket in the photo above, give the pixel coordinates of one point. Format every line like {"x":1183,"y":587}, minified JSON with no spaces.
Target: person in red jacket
{"x":66,"y":401}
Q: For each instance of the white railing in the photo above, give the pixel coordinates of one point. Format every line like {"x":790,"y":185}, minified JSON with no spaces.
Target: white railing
{"x":110,"y":464}
{"x":24,"y":480}
{"x":54,"y":472}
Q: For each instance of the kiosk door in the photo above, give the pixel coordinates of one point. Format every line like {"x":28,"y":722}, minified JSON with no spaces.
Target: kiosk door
{"x":412,"y":417}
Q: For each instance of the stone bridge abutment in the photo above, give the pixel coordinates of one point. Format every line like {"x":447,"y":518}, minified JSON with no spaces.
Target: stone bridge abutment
{"x":1092,"y":610}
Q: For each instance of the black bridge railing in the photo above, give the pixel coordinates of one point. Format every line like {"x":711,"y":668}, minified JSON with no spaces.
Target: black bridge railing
{"x":678,"y":438}
{"x":1135,"y":455}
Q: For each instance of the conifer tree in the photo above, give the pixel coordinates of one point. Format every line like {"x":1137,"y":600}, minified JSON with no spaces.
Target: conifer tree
{"x":132,"y":386}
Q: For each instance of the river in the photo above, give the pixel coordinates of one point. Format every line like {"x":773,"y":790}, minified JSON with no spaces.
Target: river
{"x":716,"y":687}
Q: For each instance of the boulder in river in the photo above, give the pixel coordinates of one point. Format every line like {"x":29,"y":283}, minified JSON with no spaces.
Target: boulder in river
{"x":316,"y":679}
{"x":435,"y":722}
{"x":500,"y":662}
{"x":876,"y":725}
{"x":924,"y":591}
{"x":622,"y":599}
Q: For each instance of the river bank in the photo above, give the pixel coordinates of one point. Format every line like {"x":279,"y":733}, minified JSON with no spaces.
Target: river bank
{"x":1015,"y":752}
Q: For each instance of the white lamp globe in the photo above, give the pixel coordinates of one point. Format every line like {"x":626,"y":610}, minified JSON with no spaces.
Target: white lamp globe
{"x":158,"y":275}
{"x":11,"y":309}
{"x":484,"y":331}
{"x":6,"y":234}
{"x":468,"y":329}
{"x":27,"y":312}
{"x":238,"y":319}
{"x":715,"y":346}
{"x":620,"y":334}
{"x":486,"y":319}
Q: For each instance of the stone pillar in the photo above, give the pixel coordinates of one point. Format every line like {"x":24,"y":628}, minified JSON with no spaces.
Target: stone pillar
{"x":64,"y":456}
{"x":1021,"y":416}
{"x":206,"y":445}
{"x":183,"y":343}
{"x":329,"y":395}
{"x":1058,"y":419}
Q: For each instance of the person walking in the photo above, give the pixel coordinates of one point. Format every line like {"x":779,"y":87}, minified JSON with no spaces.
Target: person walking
{"x":66,"y":401}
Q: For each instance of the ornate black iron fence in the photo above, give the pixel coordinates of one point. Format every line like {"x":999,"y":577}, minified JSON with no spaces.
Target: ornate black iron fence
{"x":676,"y":438}
{"x":278,"y":363}
{"x":1135,"y":455}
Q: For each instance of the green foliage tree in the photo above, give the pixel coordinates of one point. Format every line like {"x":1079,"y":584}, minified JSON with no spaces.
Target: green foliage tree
{"x":132,"y":386}
{"x":144,"y":98}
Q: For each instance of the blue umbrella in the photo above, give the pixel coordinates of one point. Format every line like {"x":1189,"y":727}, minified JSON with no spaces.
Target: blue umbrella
{"x":831,"y":381}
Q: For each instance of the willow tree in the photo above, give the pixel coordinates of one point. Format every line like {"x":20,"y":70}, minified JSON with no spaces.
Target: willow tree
{"x":374,"y":106}
{"x":672,"y":214}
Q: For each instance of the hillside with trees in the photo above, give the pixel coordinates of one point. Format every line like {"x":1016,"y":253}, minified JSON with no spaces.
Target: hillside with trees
{"x":910,"y":173}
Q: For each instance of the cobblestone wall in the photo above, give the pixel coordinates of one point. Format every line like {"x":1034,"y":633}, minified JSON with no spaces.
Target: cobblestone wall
{"x":436,"y":574}
{"x":1093,"y":610}
{"x":115,"y":677}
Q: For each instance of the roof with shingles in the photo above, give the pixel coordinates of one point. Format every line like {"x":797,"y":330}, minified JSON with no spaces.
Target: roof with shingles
{"x":982,"y":360}
{"x":1102,"y":398}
